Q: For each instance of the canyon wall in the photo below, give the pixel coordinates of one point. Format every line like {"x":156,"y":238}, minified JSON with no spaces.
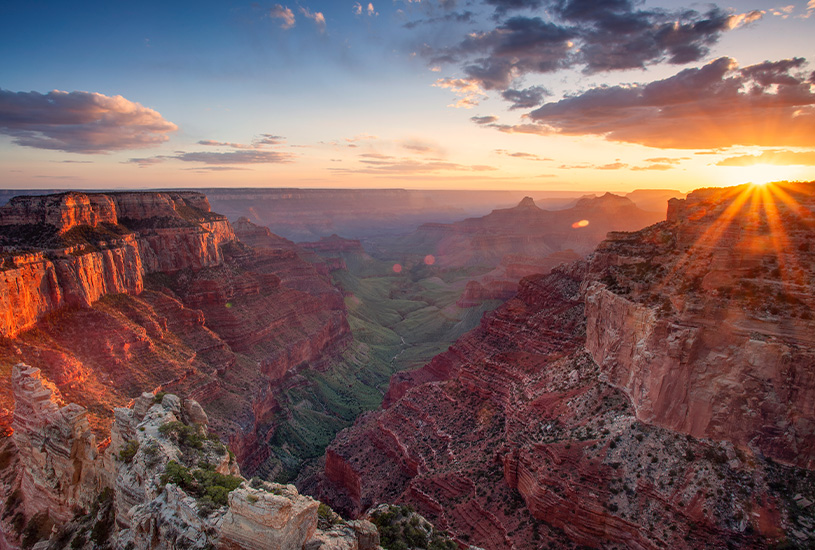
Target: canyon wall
{"x":92,"y":245}
{"x":705,"y":320}
{"x":657,"y":396}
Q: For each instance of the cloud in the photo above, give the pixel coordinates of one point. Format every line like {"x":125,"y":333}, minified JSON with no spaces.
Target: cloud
{"x":358,"y":9}
{"x":257,"y":143}
{"x":652,"y":167}
{"x":521,"y":155}
{"x":742,"y":19}
{"x":666,"y":160}
{"x":279,"y":12}
{"x":373,"y":163}
{"x":525,"y":99}
{"x":230,"y":157}
{"x":214,"y":168}
{"x":490,"y":119}
{"x":361,"y":137}
{"x":504,"y":6}
{"x":612,"y":166}
{"x":597,"y":36}
{"x":423,"y":147}
{"x":777,"y":157}
{"x":713,"y":106}
{"x":468,"y":91}
{"x":316,"y":16}
{"x":452,"y":17}
{"x":80,"y":122}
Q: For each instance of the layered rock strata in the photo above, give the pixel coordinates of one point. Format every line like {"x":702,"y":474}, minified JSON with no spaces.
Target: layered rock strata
{"x":618,"y":403}
{"x":92,"y":245}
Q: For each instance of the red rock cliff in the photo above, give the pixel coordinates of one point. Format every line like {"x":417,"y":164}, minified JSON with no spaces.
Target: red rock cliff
{"x":92,"y":245}
{"x":705,"y":321}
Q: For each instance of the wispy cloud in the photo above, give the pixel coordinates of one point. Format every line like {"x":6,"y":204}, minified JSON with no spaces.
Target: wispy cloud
{"x":316,"y":16}
{"x":284,"y":14}
{"x":372,"y":163}
{"x":521,"y":155}
{"x":260,"y":142}
{"x":468,"y":91}
{"x":217,"y":158}
{"x":80,"y":122}
{"x":778,"y":157}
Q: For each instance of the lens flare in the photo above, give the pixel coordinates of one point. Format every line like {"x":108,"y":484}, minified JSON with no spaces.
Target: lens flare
{"x":581,"y":223}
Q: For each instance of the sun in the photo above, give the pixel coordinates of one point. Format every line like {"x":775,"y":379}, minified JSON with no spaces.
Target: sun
{"x":759,"y":174}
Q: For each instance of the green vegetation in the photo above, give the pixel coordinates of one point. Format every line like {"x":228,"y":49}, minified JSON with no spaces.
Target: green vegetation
{"x":204,"y":483}
{"x":399,"y":322}
{"x":400,"y":528}
{"x":129,"y":451}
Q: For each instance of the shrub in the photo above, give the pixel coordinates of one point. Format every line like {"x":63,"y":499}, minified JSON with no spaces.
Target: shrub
{"x":129,"y":451}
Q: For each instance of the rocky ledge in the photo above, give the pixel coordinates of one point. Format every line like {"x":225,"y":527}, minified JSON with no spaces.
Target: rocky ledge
{"x":162,"y":481}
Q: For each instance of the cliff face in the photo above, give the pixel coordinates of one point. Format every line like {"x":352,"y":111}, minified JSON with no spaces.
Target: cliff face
{"x":705,"y":321}
{"x":172,"y":300}
{"x":92,"y":245}
{"x":616,"y":402}
{"x":162,"y":482}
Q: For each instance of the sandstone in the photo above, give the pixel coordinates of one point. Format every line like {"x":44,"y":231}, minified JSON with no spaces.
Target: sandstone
{"x":258,"y":518}
{"x":55,"y":445}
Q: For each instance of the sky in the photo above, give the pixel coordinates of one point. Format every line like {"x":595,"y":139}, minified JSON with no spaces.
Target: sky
{"x":575,"y":95}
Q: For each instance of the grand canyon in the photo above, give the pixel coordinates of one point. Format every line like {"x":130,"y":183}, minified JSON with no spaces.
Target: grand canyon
{"x":646,"y":384}
{"x":407,"y":275}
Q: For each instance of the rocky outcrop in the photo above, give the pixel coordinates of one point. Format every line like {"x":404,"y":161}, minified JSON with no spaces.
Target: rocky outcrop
{"x":56,"y":447}
{"x":93,"y":245}
{"x":162,"y":482}
{"x":704,"y":320}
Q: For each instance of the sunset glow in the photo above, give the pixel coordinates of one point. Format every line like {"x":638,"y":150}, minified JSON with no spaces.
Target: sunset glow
{"x":432,"y":95}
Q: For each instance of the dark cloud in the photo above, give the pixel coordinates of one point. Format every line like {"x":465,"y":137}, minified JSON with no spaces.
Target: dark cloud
{"x":80,"y":122}
{"x":527,"y":98}
{"x":595,"y":35}
{"x":504,"y":6}
{"x":714,"y":106}
{"x":453,"y":17}
{"x":518,"y":46}
{"x":783,"y":158}
{"x":490,"y":119}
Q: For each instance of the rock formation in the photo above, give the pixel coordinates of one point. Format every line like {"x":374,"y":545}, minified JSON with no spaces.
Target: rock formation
{"x":631,"y":401}
{"x":173,"y":301}
{"x":92,"y":245}
{"x":705,"y":321}
{"x":163,"y":482}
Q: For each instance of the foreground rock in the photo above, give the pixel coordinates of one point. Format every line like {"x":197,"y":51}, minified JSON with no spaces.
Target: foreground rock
{"x":163,"y":482}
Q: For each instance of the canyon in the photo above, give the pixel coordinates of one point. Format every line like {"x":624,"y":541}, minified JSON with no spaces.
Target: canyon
{"x":657,"y":395}
{"x":645,"y":388}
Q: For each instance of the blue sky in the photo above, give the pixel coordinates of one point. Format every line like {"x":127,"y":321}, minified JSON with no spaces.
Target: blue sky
{"x":403,"y":94}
